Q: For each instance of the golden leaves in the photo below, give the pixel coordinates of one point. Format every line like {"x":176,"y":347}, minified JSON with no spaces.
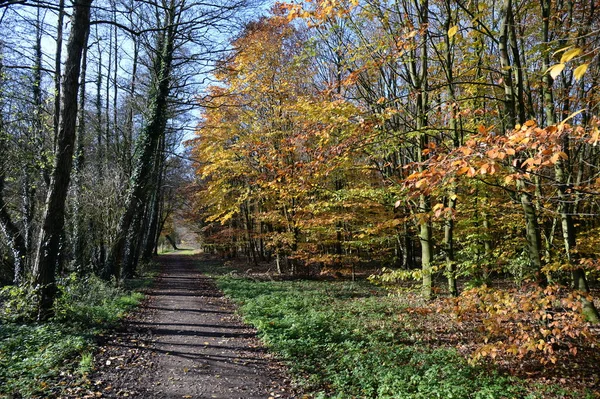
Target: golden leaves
{"x":452,"y":31}
{"x":555,"y":70}
{"x":569,"y":55}
{"x":580,"y":71}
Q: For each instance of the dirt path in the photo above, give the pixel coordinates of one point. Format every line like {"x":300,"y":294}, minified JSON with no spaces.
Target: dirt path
{"x":187,"y":343}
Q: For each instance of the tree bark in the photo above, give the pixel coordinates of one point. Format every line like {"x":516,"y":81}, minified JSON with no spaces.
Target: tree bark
{"x":57,"y":69}
{"x":509,"y":120}
{"x":419,"y":82}
{"x":15,"y":240}
{"x":578,"y":277}
{"x":78,"y":216}
{"x":153,"y":231}
{"x":49,"y":249}
{"x":148,"y":141}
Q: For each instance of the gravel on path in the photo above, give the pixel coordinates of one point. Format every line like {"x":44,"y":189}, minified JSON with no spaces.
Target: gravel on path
{"x":187,"y":342}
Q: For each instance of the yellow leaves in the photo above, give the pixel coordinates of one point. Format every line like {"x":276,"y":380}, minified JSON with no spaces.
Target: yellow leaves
{"x":595,"y":136}
{"x":580,"y":71}
{"x":560,"y":50}
{"x":570,"y":54}
{"x":411,"y":34}
{"x":452,"y":31}
{"x":463,"y":170}
{"x":574,"y":114}
{"x":421,"y":183}
{"x":555,"y":70}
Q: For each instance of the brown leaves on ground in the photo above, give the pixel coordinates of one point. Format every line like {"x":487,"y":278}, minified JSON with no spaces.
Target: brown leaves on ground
{"x":530,"y":332}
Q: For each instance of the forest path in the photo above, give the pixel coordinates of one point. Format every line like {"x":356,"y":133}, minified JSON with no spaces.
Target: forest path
{"x":187,"y":343}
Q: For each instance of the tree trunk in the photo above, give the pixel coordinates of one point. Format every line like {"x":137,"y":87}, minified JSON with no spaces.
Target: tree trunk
{"x":131,"y":251}
{"x":57,"y":69}
{"x":456,"y":139}
{"x":172,"y":242}
{"x":419,"y":83}
{"x":579,"y":280}
{"x":78,"y":216}
{"x":532,"y":233}
{"x":547,"y":81}
{"x":49,"y":250}
{"x":15,"y":240}
{"x":148,"y":141}
{"x":509,"y":120}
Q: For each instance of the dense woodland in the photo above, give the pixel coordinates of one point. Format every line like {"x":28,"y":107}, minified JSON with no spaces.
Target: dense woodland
{"x":440,"y":140}
{"x":95,"y":98}
{"x":450,"y":142}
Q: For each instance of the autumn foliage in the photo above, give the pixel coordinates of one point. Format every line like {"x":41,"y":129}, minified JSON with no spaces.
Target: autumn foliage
{"x":409,"y":136}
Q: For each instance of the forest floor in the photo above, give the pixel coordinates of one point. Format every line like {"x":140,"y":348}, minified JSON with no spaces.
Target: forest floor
{"x":186,"y":342}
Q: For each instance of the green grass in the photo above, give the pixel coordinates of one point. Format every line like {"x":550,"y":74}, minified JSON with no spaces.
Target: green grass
{"x":344,"y":340}
{"x":33,"y":356}
{"x":180,"y":251}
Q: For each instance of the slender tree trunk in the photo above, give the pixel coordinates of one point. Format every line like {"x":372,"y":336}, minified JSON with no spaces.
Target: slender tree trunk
{"x":519,"y":80}
{"x":97,"y":226}
{"x":534,"y":241}
{"x":579,"y":280}
{"x":78,"y":216}
{"x":128,"y":136}
{"x":131,"y":251}
{"x":29,"y":188}
{"x":547,"y":81}
{"x":509,"y":120}
{"x":532,"y":233}
{"x":451,"y":203}
{"x":148,"y":141}
{"x":57,"y":69}
{"x":419,"y":82}
{"x":115,"y":84}
{"x":49,"y":250}
{"x":172,"y":242}
{"x":154,"y":213}
{"x":15,"y":240}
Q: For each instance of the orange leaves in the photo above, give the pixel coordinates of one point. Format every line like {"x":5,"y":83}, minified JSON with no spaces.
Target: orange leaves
{"x":528,"y":322}
{"x":318,"y":11}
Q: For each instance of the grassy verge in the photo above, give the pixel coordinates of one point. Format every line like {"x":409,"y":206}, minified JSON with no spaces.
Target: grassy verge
{"x":36,"y":359}
{"x":345,"y":340}
{"x":181,"y":251}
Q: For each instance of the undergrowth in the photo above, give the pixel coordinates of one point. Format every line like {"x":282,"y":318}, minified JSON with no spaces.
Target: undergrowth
{"x":345,"y":340}
{"x":34,"y":356}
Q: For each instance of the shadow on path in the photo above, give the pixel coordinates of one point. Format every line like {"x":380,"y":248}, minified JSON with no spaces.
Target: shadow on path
{"x":188,"y":343}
